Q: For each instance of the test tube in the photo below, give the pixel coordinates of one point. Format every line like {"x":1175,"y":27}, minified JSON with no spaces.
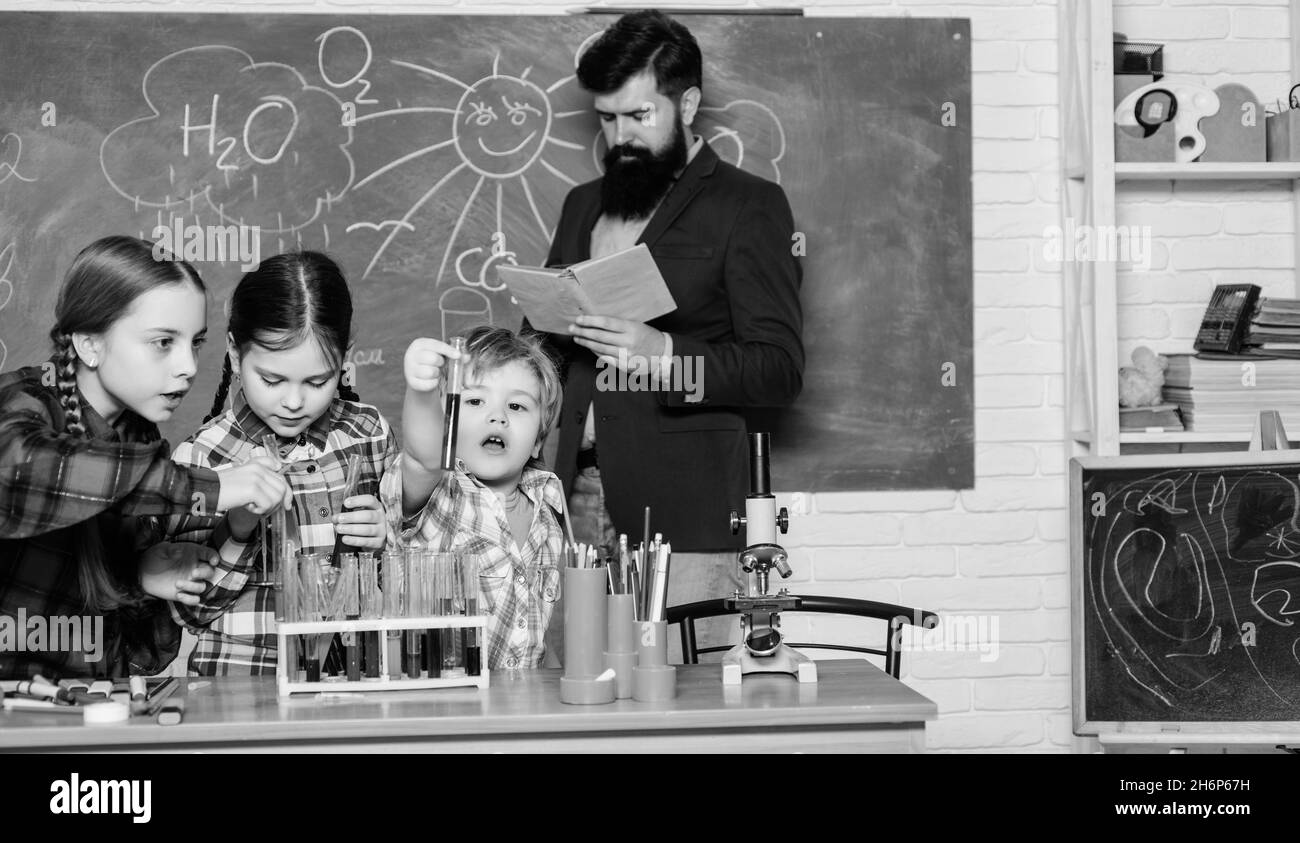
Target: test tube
{"x":469,"y":594}
{"x":414,"y":608}
{"x":451,"y":415}
{"x":313,"y":586}
{"x":286,"y":597}
{"x":433,"y":635}
{"x":394,"y":591}
{"x":447,"y":600}
{"x":351,"y":585}
{"x":279,"y":533}
{"x":371,"y":609}
{"x":349,"y":489}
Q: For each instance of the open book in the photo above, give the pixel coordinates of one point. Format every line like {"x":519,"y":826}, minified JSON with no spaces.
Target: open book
{"x":625,"y":284}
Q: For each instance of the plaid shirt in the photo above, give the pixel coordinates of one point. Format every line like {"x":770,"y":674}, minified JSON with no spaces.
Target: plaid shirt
{"x":51,"y":481}
{"x":518,"y":589}
{"x":235,"y":620}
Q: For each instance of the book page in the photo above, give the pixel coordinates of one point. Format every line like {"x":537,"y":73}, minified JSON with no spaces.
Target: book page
{"x":626,"y":284}
{"x":550,"y":298}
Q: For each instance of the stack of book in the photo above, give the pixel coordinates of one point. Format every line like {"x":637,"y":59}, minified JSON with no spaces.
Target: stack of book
{"x":1274,"y":328}
{"x":1226,"y":393}
{"x":1160,"y":418}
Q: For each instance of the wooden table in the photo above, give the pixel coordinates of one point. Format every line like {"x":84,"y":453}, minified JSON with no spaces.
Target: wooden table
{"x":854,"y":707}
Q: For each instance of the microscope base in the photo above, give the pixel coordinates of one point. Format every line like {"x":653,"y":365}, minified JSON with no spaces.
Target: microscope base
{"x":738,"y":662}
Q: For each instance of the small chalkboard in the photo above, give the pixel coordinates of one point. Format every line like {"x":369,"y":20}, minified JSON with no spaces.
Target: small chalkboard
{"x":1185,"y":579}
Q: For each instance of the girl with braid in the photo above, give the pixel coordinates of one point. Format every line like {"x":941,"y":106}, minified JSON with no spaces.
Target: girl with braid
{"x":290,"y":329}
{"x":84,"y":473}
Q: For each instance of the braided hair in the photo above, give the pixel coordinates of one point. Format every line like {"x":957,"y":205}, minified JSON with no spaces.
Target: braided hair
{"x":287,"y":299}
{"x":103,"y":282}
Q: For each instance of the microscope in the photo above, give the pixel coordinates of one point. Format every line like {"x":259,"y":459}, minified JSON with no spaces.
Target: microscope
{"x":760,"y":649}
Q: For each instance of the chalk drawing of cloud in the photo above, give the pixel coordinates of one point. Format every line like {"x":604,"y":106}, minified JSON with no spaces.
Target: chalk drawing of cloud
{"x":745,"y":133}
{"x":251,"y":142}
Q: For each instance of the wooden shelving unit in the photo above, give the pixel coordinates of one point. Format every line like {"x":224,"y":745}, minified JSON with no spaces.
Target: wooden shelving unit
{"x":1088,"y":196}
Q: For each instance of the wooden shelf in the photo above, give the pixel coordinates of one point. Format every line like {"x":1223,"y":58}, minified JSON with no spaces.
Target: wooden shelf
{"x":1176,"y":438}
{"x":1132,"y":437}
{"x":1136,"y":171}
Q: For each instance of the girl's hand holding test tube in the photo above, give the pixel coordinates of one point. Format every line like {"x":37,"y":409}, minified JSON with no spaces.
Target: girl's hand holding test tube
{"x":255,"y":485}
{"x":271,"y":489}
{"x":177,"y":570}
{"x":364,"y":525}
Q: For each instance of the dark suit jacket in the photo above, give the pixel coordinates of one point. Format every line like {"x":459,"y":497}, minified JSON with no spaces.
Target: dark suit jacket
{"x":722,"y":239}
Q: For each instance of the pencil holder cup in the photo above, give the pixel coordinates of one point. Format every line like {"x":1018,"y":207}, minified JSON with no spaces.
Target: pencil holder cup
{"x":621,"y":655}
{"x":585,"y":628}
{"x":653,"y":678}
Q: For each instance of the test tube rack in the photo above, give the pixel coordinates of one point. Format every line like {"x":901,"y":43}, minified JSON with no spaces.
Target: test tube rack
{"x":384,"y":682}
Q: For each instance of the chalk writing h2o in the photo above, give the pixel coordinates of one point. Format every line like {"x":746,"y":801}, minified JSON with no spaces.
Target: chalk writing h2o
{"x":274,"y":103}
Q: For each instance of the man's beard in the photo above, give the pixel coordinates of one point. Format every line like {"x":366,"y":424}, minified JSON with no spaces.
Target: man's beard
{"x":633,"y":186}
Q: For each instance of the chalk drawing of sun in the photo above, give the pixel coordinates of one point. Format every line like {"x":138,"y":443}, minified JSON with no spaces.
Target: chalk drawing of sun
{"x":505,"y":149}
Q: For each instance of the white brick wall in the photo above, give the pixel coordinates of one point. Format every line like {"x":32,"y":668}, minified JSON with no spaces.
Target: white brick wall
{"x":1001,"y":549}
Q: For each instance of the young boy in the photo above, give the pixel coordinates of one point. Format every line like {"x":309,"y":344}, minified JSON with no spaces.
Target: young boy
{"x":498,"y":503}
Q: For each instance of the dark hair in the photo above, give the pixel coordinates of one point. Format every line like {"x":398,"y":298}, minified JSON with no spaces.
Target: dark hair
{"x":285,"y":300}
{"x":488,"y":349}
{"x":104,"y":280}
{"x":638,"y":41}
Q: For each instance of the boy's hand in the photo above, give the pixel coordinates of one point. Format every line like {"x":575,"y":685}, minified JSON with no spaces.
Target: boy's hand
{"x":177,"y":570}
{"x":365,"y":525}
{"x":425,"y":358}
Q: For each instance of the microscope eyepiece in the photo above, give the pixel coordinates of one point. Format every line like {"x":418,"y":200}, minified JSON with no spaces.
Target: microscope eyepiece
{"x":760,"y":481}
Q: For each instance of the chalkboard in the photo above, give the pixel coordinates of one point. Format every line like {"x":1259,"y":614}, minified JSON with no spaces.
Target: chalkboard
{"x":468,"y":131}
{"x":1186,"y":589}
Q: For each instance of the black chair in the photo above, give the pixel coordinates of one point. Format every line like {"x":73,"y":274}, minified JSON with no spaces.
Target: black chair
{"x":894,"y":616}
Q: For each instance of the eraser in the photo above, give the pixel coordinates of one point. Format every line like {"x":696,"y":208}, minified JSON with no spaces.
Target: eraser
{"x":101,"y":713}
{"x":171,"y":713}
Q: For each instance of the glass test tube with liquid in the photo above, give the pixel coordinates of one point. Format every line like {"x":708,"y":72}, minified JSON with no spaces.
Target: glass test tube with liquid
{"x":451,"y":410}
{"x":413,"y":650}
{"x":394,"y":599}
{"x":470,"y":636}
{"x":311,"y":579}
{"x":350,"y":583}
{"x":452,"y":651}
{"x":371,"y":609}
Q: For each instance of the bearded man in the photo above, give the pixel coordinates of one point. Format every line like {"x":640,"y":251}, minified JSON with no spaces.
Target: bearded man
{"x":723,"y":240}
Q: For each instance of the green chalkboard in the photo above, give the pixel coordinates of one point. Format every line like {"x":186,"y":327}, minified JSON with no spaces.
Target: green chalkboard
{"x":1186,"y":591}
{"x":468,"y":133}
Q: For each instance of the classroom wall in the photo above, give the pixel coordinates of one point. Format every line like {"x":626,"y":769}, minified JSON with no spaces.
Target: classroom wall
{"x":1000,"y":550}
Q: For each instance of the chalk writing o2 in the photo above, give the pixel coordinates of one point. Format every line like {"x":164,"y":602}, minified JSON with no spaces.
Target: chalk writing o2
{"x":324,"y":37}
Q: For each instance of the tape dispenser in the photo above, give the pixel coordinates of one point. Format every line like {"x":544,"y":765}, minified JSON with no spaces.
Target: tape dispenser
{"x":1182,"y":103}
